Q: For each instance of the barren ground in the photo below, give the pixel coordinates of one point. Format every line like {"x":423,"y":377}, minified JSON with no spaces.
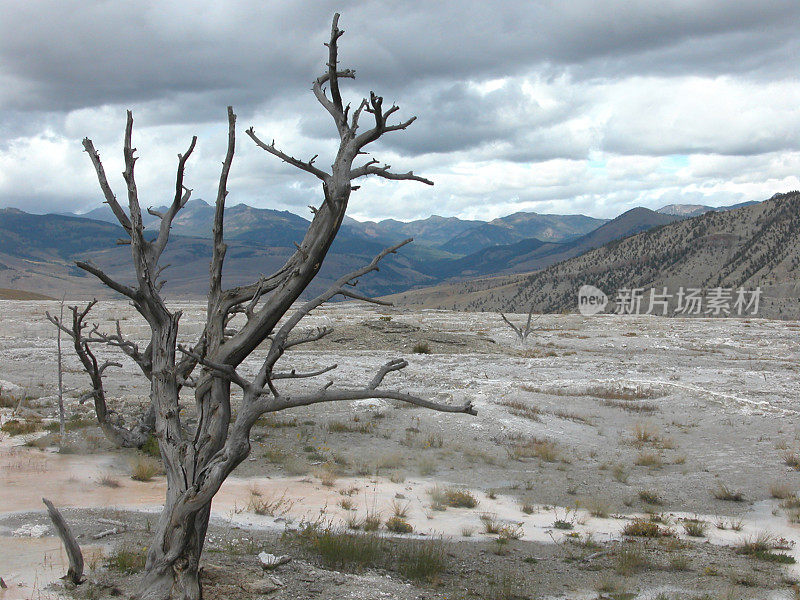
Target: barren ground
{"x":595,"y":421}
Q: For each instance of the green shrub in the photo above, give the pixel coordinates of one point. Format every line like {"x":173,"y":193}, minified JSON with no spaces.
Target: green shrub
{"x":127,"y":559}
{"x":398,"y":525}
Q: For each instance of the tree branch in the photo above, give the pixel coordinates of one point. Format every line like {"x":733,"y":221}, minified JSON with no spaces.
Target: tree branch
{"x":370,"y":169}
{"x":329,"y":394}
{"x":111,"y":199}
{"x":178,"y":202}
{"x":219,"y":369}
{"x":295,"y":162}
{"x":294,"y":375}
{"x":117,"y":287}
{"x":112,"y":425}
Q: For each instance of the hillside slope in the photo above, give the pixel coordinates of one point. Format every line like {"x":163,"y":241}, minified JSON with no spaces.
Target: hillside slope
{"x":756,"y":245}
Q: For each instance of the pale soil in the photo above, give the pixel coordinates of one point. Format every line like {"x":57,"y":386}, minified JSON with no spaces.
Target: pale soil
{"x":717,"y":398}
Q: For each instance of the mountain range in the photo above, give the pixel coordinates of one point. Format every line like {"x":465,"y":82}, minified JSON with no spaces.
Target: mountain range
{"x":754,"y":246}
{"x":37,"y":251}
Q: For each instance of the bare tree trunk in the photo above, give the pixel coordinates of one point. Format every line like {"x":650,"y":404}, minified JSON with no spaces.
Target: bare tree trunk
{"x":173,"y":561}
{"x":61,"y":425}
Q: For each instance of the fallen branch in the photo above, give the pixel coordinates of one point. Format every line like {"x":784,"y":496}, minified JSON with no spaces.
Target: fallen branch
{"x":75,"y":571}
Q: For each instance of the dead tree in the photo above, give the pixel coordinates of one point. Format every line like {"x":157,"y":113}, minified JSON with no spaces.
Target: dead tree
{"x":521,"y":332}
{"x":198,"y":462}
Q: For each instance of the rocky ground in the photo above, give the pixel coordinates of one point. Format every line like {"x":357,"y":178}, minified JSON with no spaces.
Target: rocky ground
{"x":594,"y":422}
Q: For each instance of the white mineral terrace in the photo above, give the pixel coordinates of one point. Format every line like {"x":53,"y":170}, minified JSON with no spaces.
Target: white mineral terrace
{"x":34,"y":558}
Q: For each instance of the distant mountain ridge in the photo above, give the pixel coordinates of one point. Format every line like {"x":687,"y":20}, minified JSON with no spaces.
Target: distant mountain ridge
{"x":37,"y":251}
{"x":755,"y":245}
{"x":282,"y":228}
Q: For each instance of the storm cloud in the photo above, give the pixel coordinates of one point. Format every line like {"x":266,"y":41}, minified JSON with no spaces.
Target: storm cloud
{"x":579,"y":106}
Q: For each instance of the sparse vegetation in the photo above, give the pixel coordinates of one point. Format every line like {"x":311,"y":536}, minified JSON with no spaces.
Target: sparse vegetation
{"x":644,"y":528}
{"x":145,"y":468}
{"x":398,"y":525}
{"x":521,"y":409}
{"x":341,"y":549}
{"x":421,"y":348}
{"x":650,"y":497}
{"x":127,"y":559}
{"x":649,"y":459}
{"x":532,"y":447}
{"x":762,"y":546}
{"x":458,"y":498}
{"x":630,"y":560}
{"x":723,"y":492}
{"x":16,"y":427}
{"x":695,"y":527}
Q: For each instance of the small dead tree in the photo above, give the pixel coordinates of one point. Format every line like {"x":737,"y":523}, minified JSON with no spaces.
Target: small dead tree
{"x":61,"y":424}
{"x":521,"y":332}
{"x":196,"y":464}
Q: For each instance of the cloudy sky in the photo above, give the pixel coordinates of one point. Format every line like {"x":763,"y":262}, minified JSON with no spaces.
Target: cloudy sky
{"x":579,"y":106}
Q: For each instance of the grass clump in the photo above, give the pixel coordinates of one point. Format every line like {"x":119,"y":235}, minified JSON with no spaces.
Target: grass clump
{"x":644,"y":528}
{"x":628,"y":561}
{"x":109,"y":481}
{"x":150,"y":447}
{"x":458,"y":498}
{"x":127,"y":559}
{"x":421,"y":348}
{"x":16,"y":427}
{"x":781,"y":491}
{"x":761,"y":547}
{"x":597,"y":507}
{"x":543,"y":449}
{"x":342,"y":549}
{"x":339,"y":549}
{"x":520,"y":409}
{"x":620,"y":473}
{"x":723,"y":492}
{"x":144,"y":468}
{"x":650,"y":497}
{"x":351,"y":427}
{"x":791,"y":458}
{"x":74,"y":423}
{"x":649,"y":459}
{"x":422,"y":561}
{"x":490,"y":524}
{"x":695,"y":528}
{"x":398,"y":525}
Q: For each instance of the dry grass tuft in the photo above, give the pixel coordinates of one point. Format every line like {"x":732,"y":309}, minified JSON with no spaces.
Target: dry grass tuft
{"x":521,"y":409}
{"x":649,"y":459}
{"x":16,"y":427}
{"x":458,"y":498}
{"x":723,"y":492}
{"x":398,"y":525}
{"x":650,"y":497}
{"x":145,"y":468}
{"x":695,"y":528}
{"x":542,"y":448}
{"x":781,"y":491}
{"x":643,"y":528}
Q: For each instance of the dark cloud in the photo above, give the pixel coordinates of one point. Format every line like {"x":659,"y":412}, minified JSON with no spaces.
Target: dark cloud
{"x":513,"y":87}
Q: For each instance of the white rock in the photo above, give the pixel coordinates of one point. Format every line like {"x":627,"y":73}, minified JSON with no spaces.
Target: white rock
{"x":34,"y":531}
{"x":270,"y":561}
